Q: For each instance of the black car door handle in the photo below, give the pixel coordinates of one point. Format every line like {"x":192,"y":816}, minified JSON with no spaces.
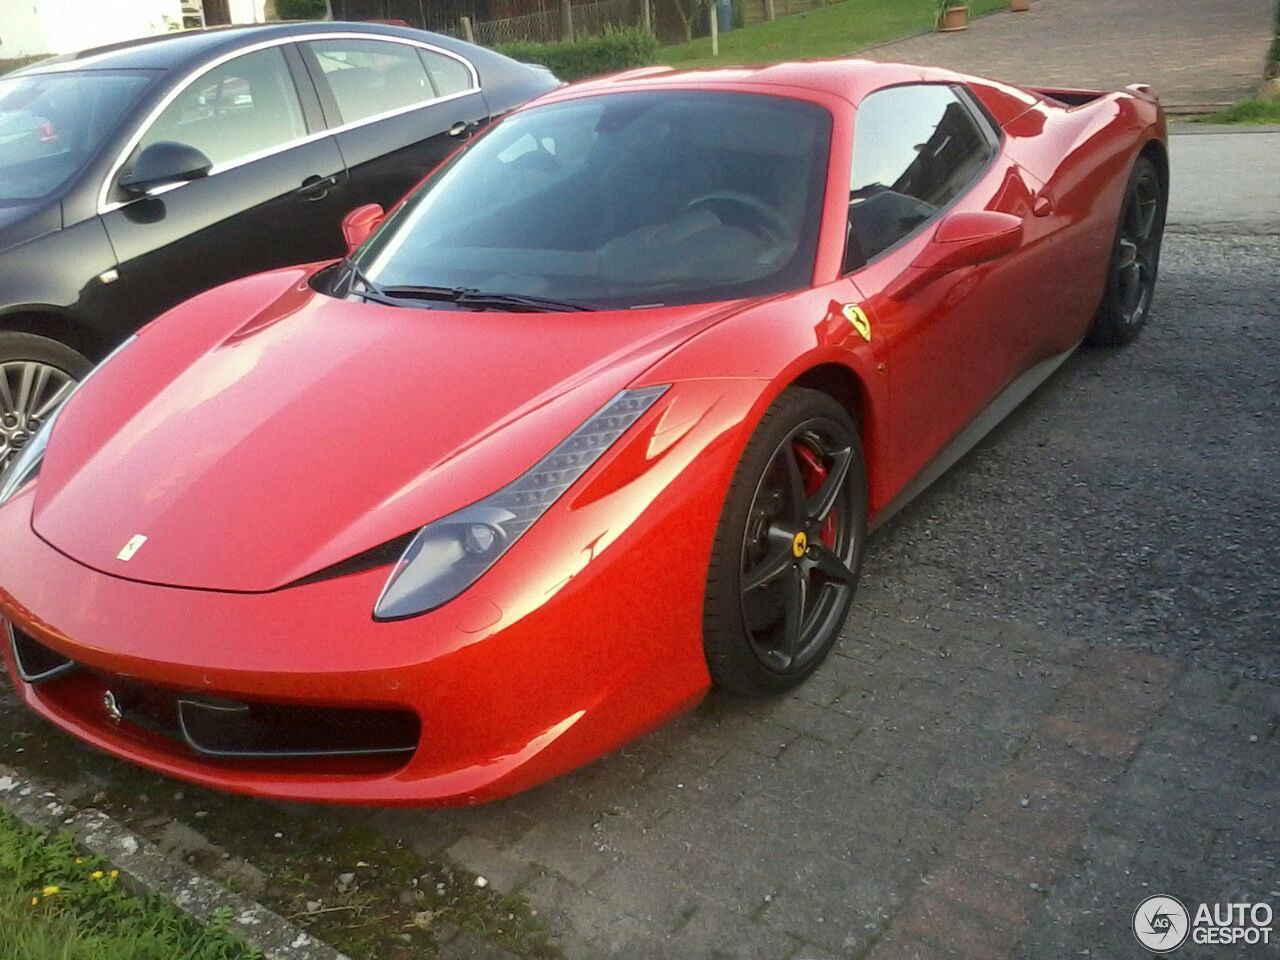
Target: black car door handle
{"x":316,"y":187}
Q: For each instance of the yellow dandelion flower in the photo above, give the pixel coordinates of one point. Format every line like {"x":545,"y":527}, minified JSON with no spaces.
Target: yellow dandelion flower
{"x":50,"y":891}
{"x":115,"y":874}
{"x":34,"y":901}
{"x":79,"y":860}
{"x":97,"y":875}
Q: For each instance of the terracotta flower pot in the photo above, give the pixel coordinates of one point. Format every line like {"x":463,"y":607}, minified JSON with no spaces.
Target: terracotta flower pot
{"x":955,"y":18}
{"x":1019,"y":6}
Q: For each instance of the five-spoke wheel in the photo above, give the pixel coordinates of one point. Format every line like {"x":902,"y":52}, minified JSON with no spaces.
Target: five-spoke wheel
{"x":789,"y":547}
{"x":1135,"y":260}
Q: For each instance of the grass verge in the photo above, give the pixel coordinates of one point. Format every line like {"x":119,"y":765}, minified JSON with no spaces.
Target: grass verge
{"x":1247,"y":112}
{"x":839,"y":29}
{"x":7,"y":65}
{"x":57,"y":903}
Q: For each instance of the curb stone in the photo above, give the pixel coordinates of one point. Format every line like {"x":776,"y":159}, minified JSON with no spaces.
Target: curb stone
{"x":140,"y":860}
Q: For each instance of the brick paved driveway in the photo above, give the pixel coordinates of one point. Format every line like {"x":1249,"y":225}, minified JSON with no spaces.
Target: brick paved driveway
{"x":1059,"y":693}
{"x":1194,"y":52}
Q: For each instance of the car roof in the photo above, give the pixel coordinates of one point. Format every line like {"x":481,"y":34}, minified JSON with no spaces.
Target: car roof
{"x":189,"y":47}
{"x":847,"y":78}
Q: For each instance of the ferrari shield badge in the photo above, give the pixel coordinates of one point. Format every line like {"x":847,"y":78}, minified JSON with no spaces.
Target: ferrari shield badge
{"x":858,"y":317}
{"x":133,"y":546}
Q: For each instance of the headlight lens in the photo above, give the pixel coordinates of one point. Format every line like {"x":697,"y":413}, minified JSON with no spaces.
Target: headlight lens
{"x":449,"y":555}
{"x":26,"y":465}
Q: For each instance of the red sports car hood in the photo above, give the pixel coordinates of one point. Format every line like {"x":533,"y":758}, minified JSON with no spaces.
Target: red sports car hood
{"x":250,"y":454}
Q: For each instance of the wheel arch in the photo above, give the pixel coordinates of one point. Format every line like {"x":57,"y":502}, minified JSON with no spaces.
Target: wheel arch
{"x":54,"y":324}
{"x":1155,"y":151}
{"x":846,"y":387}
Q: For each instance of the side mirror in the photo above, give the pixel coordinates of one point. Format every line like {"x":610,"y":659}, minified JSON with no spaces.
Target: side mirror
{"x":164,"y":163}
{"x":359,"y":224}
{"x":967,"y":239}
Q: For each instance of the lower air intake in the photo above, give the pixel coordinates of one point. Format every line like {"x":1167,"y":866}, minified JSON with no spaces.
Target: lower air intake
{"x":36,"y":662}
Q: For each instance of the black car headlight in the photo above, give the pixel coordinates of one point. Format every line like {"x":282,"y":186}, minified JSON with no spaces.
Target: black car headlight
{"x":26,"y":465}
{"x":450,"y":554}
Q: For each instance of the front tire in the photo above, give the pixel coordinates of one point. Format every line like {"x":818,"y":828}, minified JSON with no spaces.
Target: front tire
{"x":36,"y":375}
{"x":788,"y":547}
{"x":1135,"y":260}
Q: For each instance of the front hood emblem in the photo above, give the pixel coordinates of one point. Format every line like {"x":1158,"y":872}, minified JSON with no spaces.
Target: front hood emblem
{"x":132,"y":547}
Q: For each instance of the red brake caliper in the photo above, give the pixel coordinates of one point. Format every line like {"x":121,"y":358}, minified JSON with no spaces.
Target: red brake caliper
{"x":815,"y":472}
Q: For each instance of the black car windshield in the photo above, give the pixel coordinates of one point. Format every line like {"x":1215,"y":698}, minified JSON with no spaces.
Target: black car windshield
{"x":621,"y":200}
{"x":51,"y":124}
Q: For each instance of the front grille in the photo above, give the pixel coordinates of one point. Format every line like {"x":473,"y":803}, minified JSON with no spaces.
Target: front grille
{"x":36,"y":662}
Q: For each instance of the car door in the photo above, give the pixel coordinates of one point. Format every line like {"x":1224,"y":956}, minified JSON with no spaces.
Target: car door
{"x":923,"y":152}
{"x":393,"y":105}
{"x":270,"y":199}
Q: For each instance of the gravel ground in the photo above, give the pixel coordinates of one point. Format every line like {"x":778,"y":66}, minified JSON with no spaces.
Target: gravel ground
{"x":1134,"y":498}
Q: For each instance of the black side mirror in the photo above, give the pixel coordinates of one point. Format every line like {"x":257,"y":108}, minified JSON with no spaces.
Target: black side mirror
{"x":164,"y":163}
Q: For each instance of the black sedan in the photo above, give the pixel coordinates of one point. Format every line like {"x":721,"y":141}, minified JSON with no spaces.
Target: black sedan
{"x":135,"y":176}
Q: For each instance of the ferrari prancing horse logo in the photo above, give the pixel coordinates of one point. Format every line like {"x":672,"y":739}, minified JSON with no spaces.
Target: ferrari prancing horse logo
{"x":132,"y":547}
{"x":858,"y":317}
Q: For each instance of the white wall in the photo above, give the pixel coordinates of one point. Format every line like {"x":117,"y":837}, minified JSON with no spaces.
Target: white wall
{"x":33,"y":27}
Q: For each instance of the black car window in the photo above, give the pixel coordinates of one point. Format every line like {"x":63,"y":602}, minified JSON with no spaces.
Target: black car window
{"x":449,"y":75}
{"x":623,"y":200}
{"x":237,"y":109}
{"x":369,"y":77}
{"x":915,"y":149}
{"x":52,"y":124}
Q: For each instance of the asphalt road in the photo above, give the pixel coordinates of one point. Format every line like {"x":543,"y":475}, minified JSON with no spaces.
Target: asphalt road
{"x":1135,"y":498}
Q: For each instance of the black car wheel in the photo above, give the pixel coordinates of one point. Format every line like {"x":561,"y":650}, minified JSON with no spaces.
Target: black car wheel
{"x":788,"y":548}
{"x":1135,"y":260}
{"x":36,"y":376}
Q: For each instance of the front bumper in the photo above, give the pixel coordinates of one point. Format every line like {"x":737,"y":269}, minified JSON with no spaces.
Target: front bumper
{"x":566,"y":650}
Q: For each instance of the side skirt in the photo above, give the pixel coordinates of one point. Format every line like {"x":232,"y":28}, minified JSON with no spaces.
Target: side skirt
{"x":1004,"y":404}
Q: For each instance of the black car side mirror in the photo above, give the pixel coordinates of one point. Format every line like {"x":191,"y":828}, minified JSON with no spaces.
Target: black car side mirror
{"x":163,"y":163}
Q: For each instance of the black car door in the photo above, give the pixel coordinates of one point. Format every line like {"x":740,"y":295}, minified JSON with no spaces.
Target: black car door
{"x":393,"y":105}
{"x":272,"y":197}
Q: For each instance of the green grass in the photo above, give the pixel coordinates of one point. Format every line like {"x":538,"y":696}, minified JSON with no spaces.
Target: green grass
{"x":7,"y":65}
{"x":57,"y":903}
{"x":1247,"y":112}
{"x":836,"y":30}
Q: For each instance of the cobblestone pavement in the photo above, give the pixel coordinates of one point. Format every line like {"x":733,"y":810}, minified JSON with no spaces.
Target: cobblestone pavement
{"x":1059,"y":693}
{"x":1192,"y":51}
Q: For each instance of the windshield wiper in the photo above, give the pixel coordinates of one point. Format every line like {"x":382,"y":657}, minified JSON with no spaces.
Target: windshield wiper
{"x":468,"y":297}
{"x":371,"y":291}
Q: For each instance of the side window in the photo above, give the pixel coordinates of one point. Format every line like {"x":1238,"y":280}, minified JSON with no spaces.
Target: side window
{"x":239,"y":108}
{"x":915,"y":149}
{"x":369,"y":77}
{"x":449,"y":75}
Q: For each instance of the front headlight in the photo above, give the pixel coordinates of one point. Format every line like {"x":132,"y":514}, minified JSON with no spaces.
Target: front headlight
{"x":452,"y":553}
{"x":26,"y":465}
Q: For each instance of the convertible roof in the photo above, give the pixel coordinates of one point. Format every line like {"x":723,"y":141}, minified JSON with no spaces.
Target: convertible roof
{"x":846,"y":78}
{"x":190,"y":47}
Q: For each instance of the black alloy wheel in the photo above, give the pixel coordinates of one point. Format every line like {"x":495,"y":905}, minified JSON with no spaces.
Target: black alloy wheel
{"x":1135,"y":259}
{"x":789,"y":548}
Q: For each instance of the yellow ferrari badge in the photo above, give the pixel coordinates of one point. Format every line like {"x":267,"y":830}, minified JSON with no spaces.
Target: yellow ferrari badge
{"x":858,"y":317}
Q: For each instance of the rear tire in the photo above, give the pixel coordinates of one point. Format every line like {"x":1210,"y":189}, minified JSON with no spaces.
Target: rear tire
{"x":38,"y":374}
{"x":788,"y":547}
{"x":1135,"y":260}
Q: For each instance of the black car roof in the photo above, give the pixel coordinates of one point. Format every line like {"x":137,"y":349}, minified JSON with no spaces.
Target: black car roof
{"x":190,"y":47}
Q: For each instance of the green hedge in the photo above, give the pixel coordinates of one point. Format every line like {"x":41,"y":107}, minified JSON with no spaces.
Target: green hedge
{"x":590,"y":56}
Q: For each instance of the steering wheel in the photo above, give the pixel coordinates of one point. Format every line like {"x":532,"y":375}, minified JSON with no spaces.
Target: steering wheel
{"x":766,"y":219}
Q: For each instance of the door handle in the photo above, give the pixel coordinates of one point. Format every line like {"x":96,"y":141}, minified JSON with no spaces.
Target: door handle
{"x":316,"y":187}
{"x":462,"y":130}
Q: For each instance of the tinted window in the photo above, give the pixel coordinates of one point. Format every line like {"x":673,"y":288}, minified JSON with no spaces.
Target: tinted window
{"x":369,"y":77}
{"x":449,"y":75}
{"x":239,"y":108}
{"x":623,"y":200}
{"x":51,"y":124}
{"x":915,"y":149}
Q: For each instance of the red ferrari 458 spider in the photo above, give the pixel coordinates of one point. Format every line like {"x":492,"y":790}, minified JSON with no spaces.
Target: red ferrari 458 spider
{"x":599,"y":416}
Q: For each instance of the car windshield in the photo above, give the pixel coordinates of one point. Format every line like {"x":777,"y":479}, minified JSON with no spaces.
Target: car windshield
{"x":51,"y":124}
{"x":622,"y":200}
